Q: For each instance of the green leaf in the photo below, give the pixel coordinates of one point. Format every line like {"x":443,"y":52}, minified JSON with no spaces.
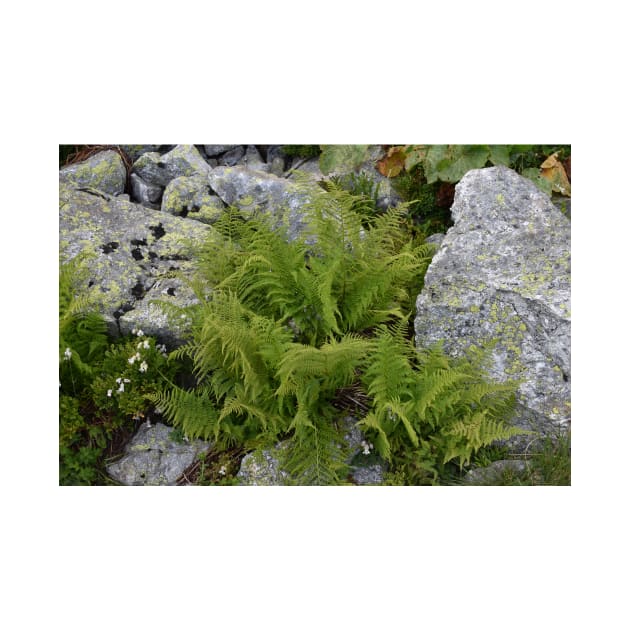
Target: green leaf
{"x":499,"y":154}
{"x":342,"y":158}
{"x":449,"y":163}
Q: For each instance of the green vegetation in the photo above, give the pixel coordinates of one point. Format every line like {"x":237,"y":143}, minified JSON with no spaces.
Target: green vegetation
{"x":283,"y":328}
{"x":290,"y":324}
{"x":103,"y":385}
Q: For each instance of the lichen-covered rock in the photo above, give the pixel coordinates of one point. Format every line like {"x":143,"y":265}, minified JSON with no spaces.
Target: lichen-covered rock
{"x":159,"y":170}
{"x":153,"y":458}
{"x":253,"y":191}
{"x":148,"y":195}
{"x":502,"y":273}
{"x":191,"y":197}
{"x":104,"y":171}
{"x":132,"y":248}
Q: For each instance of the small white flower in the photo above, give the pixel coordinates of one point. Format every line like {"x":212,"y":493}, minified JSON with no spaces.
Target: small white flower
{"x":121,"y":388}
{"x":146,"y":344}
{"x":119,"y":380}
{"x":133,"y":331}
{"x":222,"y":471}
{"x":143,"y":366}
{"x":67,"y":354}
{"x":126,"y":380}
{"x":109,"y":393}
{"x":367,"y":447}
{"x":140,"y":333}
{"x":139,"y":345}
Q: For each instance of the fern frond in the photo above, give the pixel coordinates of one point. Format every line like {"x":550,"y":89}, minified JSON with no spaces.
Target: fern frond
{"x":316,"y":454}
{"x":193,"y":412}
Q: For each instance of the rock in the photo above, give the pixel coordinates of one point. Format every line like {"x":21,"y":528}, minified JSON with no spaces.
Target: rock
{"x":212,"y":150}
{"x":191,"y":197}
{"x":104,"y":171}
{"x":132,"y":248}
{"x":253,"y":160}
{"x":435,"y":239}
{"x":159,"y":170}
{"x":153,"y":458}
{"x":253,"y":191}
{"x":233,"y":156}
{"x":495,"y":472}
{"x":262,"y":468}
{"x":563,"y":204}
{"x":310,"y":168}
{"x":147,"y":194}
{"x":502,"y":273}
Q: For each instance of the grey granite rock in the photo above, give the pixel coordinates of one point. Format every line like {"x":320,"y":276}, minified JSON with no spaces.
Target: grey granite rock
{"x":502,"y":273}
{"x":159,"y":170}
{"x":192,"y":197}
{"x":252,"y":191}
{"x":132,"y":248}
{"x":104,"y":171}
{"x":153,"y":458}
{"x":148,"y":195}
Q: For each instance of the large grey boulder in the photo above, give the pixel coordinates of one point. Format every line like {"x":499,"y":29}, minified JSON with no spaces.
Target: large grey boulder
{"x":503,"y":273}
{"x":254,"y":191}
{"x":159,"y":170}
{"x":132,"y":249}
{"x":104,"y":171}
{"x":153,"y":458}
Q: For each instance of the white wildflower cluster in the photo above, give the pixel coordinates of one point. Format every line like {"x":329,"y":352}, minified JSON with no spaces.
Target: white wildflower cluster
{"x":142,"y":345}
{"x":367,"y":447}
{"x":120,"y":381}
{"x":222,"y":471}
{"x":67,"y":354}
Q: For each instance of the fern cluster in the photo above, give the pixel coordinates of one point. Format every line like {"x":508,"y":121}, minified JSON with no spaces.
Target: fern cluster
{"x":438,"y":408}
{"x":282,"y":325}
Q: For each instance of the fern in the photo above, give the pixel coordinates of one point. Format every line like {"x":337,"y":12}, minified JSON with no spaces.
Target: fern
{"x":445,"y":409}
{"x":280,"y":323}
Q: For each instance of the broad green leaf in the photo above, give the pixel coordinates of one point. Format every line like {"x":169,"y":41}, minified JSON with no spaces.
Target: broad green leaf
{"x":499,"y":154}
{"x":415,"y":155}
{"x":343,"y":158}
{"x":450,"y":163}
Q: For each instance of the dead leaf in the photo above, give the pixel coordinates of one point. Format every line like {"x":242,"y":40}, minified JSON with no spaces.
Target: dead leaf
{"x":553,"y":171}
{"x":393,"y":163}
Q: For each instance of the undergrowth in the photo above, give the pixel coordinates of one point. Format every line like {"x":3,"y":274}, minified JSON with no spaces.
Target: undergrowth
{"x":284,"y":326}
